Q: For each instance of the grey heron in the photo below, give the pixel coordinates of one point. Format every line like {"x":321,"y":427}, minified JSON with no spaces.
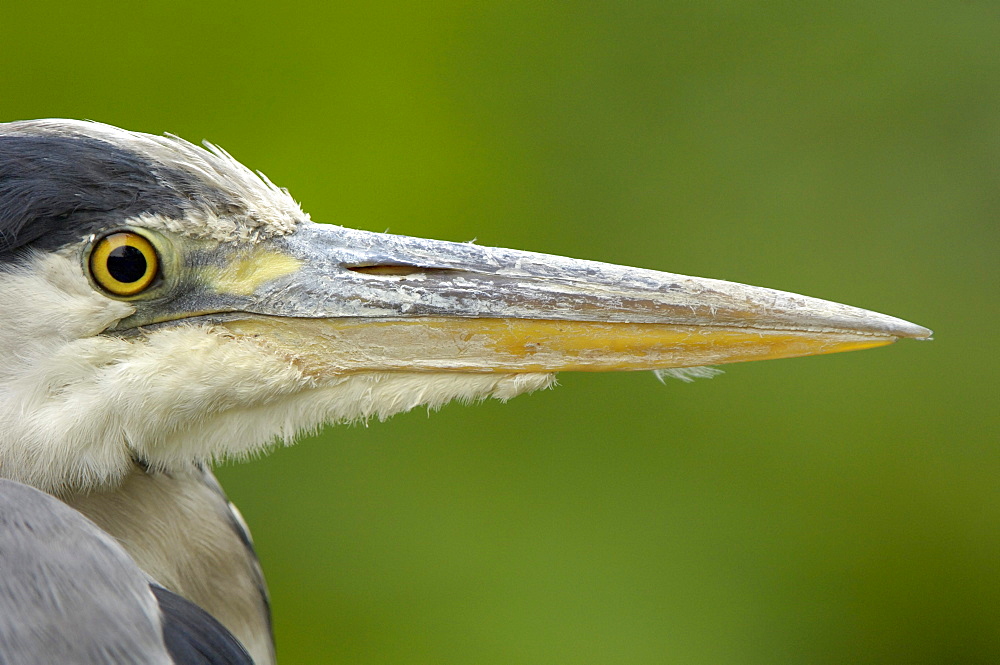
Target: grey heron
{"x":164,"y":307}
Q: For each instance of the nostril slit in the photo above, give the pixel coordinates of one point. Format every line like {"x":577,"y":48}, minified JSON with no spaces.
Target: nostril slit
{"x":397,"y":270}
{"x":385,"y":269}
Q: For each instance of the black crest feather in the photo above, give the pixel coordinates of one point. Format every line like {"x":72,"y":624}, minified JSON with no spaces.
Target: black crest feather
{"x":61,"y":180}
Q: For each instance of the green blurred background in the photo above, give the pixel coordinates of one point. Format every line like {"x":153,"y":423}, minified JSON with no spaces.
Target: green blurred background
{"x":841,"y":509}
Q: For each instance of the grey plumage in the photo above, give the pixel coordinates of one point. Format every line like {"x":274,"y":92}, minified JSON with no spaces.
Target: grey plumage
{"x":192,"y":636}
{"x":69,"y":593}
{"x":180,"y":528}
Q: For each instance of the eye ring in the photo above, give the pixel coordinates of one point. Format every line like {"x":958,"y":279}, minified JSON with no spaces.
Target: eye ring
{"x":124,"y":263}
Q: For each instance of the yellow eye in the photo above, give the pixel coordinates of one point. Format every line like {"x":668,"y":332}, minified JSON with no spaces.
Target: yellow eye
{"x":124,"y":263}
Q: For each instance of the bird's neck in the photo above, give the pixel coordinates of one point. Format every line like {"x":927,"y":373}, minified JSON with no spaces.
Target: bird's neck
{"x":184,"y":533}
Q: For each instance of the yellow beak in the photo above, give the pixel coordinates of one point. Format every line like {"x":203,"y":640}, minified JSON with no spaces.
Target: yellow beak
{"x":339,"y":301}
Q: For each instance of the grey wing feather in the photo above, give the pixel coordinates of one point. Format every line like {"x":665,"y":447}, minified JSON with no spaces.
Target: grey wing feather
{"x":69,"y":593}
{"x":193,"y":636}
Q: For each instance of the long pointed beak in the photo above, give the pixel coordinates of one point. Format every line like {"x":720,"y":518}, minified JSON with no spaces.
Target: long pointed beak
{"x":351,"y":300}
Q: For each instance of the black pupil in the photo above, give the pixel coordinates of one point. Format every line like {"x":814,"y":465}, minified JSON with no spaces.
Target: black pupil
{"x":126,"y":264}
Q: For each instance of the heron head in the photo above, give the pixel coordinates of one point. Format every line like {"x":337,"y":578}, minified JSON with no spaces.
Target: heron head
{"x":162,"y":302}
